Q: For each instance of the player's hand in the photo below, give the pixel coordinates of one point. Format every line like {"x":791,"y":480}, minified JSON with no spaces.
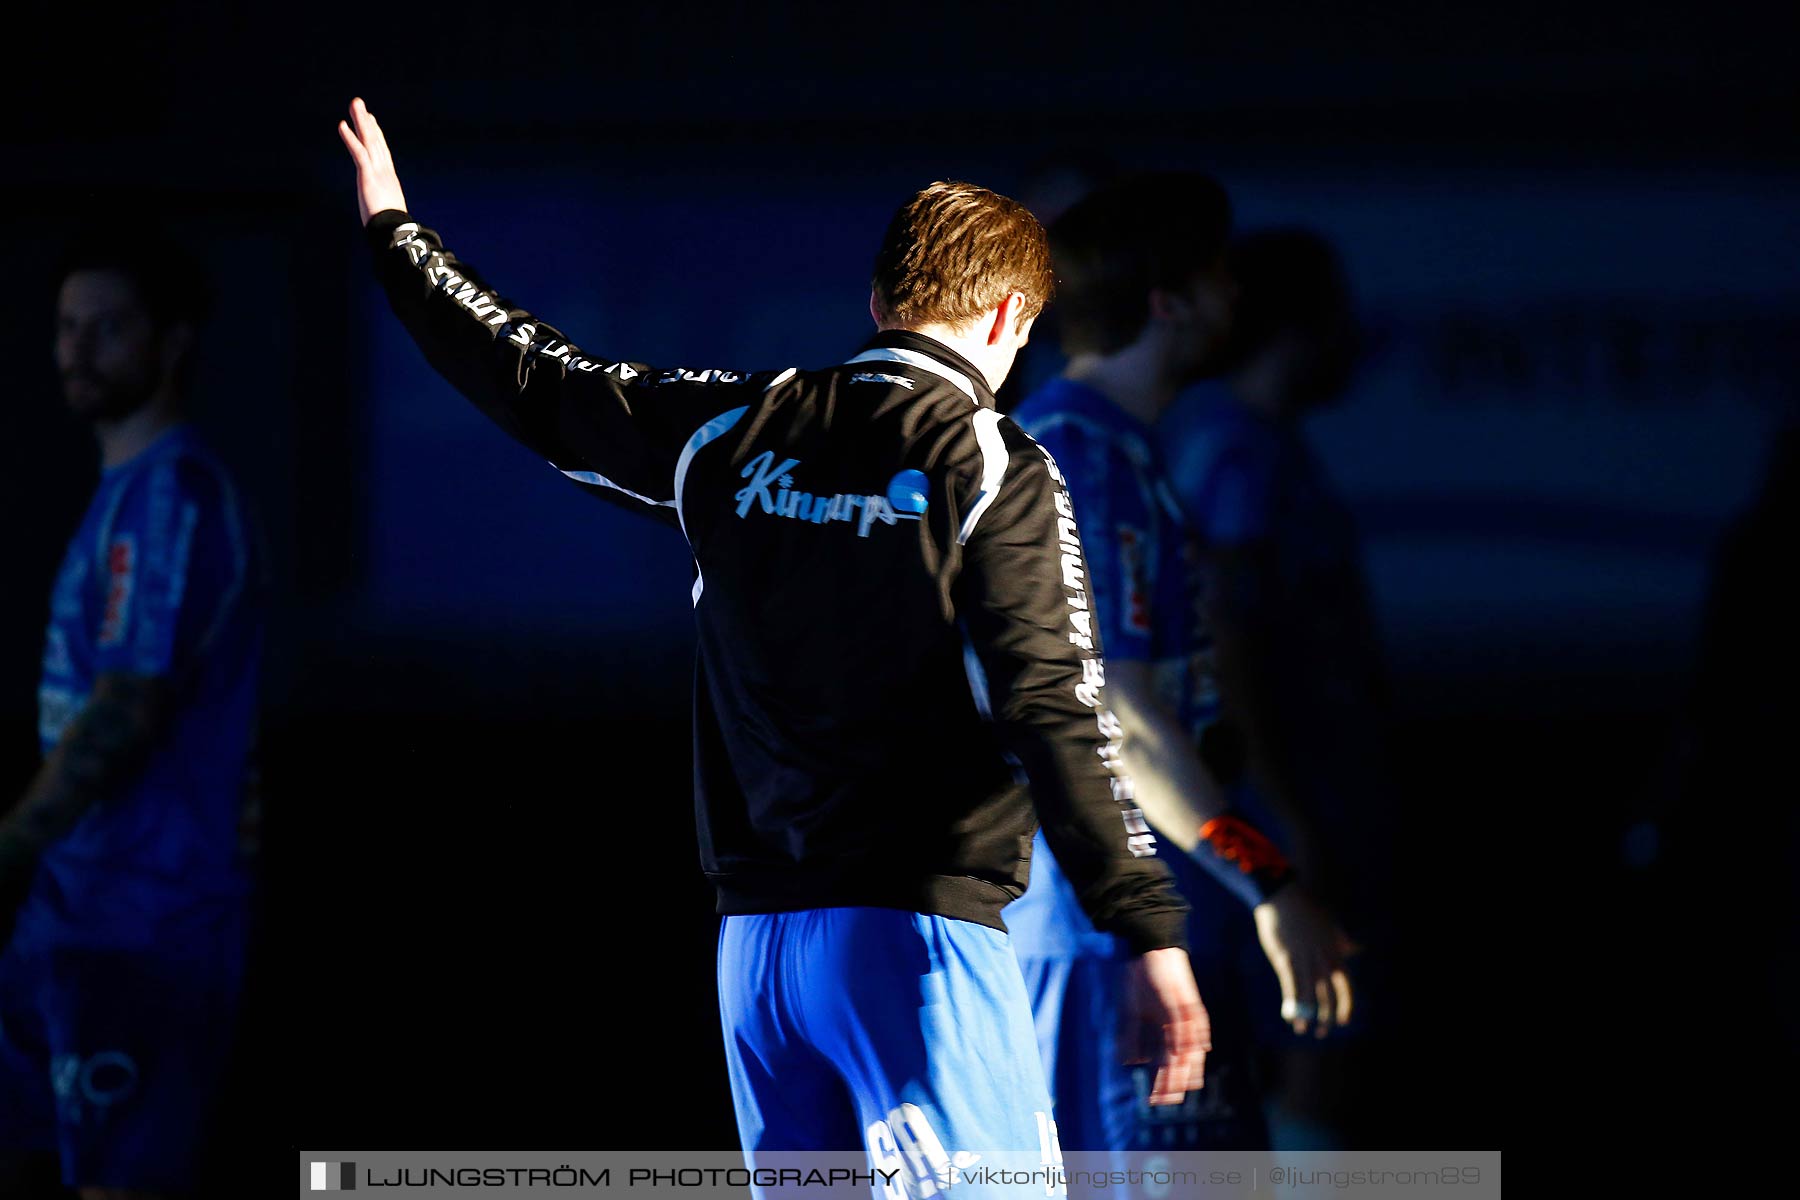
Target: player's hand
{"x":377,"y":185}
{"x":1166,"y":1023}
{"x":1307,"y":949}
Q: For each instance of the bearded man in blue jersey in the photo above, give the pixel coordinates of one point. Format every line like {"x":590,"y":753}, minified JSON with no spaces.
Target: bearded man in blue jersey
{"x":1145,"y":307}
{"x":123,"y":872}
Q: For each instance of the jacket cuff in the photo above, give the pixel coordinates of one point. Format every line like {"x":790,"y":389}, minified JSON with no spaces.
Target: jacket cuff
{"x":380,"y":229}
{"x":1144,"y":932}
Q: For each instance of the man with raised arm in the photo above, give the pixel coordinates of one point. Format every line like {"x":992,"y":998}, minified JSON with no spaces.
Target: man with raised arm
{"x":857,"y":530}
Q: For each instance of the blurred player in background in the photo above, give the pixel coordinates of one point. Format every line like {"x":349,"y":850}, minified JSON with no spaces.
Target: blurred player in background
{"x":1145,"y":306}
{"x":1295,"y":644}
{"x":1048,"y":187}
{"x":124,"y":865}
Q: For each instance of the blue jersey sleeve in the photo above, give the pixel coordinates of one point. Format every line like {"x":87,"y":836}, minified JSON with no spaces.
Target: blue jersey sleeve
{"x":1115,"y":534}
{"x":1235,"y":500}
{"x":1225,"y":468}
{"x":172,"y":563}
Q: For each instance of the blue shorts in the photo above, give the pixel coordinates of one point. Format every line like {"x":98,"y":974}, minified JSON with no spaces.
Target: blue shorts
{"x":110,"y":1056}
{"x":901,"y":1035}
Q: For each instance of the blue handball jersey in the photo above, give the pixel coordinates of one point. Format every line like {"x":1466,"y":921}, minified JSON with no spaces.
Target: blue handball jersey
{"x":1246,"y":480}
{"x":1144,"y":575}
{"x":1242,"y":478}
{"x":160,"y":580}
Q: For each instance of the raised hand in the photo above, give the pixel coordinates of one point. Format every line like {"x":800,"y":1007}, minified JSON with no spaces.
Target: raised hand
{"x":377,"y":186}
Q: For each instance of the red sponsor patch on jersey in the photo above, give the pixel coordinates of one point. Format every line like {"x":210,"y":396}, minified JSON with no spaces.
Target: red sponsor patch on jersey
{"x":121,"y":563}
{"x":1135,"y":565}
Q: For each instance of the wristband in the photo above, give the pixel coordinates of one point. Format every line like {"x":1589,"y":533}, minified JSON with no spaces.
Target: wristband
{"x":1240,"y":857}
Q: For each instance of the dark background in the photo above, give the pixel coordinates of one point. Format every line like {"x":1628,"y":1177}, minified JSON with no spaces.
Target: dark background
{"x":1572,"y":233}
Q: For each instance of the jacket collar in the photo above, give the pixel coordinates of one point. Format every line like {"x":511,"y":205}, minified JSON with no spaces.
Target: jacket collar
{"x":903,"y":346}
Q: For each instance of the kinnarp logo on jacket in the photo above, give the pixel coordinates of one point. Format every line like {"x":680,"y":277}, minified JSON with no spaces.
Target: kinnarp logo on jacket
{"x":771,"y":488}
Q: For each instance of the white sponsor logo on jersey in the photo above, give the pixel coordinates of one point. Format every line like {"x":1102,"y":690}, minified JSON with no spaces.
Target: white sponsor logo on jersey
{"x":771,"y":488}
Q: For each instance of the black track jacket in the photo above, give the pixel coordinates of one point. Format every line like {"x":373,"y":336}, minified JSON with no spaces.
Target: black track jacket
{"x":878,"y":553}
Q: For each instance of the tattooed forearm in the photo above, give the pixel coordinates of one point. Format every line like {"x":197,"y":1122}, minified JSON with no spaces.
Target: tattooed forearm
{"x":100,"y":752}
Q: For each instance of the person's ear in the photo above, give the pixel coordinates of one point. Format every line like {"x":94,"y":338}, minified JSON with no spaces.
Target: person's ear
{"x":875,"y":307}
{"x":1006,"y":316}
